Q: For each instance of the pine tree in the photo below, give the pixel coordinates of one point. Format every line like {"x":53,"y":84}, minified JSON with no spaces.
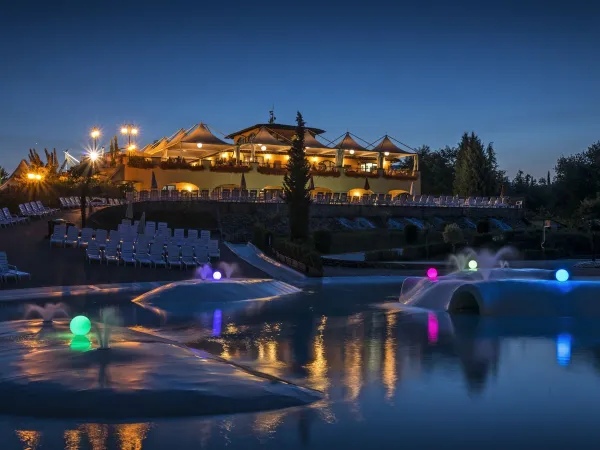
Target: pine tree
{"x":476,"y":169}
{"x":295,"y":185}
{"x":548,"y":181}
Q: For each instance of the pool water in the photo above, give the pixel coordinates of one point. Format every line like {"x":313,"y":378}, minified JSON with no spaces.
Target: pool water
{"x":392,"y":378}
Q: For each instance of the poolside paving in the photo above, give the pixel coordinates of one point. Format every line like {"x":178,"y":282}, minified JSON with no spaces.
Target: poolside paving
{"x":29,"y":250}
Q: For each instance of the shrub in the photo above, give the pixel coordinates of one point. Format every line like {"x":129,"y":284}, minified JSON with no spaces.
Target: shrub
{"x":453,"y":235}
{"x":411,"y":234}
{"x":483,"y":239}
{"x":300,"y":253}
{"x":261,"y":237}
{"x":483,"y":226}
{"x":322,"y":241}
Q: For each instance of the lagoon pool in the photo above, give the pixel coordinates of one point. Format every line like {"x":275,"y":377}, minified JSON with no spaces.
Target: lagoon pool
{"x":392,"y":378}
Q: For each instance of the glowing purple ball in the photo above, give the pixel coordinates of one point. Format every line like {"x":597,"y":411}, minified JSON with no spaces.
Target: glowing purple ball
{"x":216,"y":275}
{"x":432,"y":273}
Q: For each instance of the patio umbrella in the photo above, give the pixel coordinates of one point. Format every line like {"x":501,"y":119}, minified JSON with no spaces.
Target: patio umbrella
{"x":367,"y":185}
{"x":154,"y":184}
{"x":129,"y":211}
{"x":412,"y":189}
{"x":311,"y":184}
{"x":243,"y":183}
{"x":142,"y":224}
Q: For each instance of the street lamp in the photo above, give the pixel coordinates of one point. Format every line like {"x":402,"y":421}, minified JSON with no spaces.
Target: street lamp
{"x":95,"y":134}
{"x":129,"y":130}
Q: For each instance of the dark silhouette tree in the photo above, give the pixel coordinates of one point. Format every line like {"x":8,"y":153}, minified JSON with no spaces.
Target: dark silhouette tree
{"x":295,"y":185}
{"x":476,"y":171}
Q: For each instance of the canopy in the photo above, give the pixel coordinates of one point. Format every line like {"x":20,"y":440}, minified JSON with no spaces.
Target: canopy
{"x":311,"y":143}
{"x":265,"y":137}
{"x":202,"y":135}
{"x":386,"y":145}
{"x":348,"y":143}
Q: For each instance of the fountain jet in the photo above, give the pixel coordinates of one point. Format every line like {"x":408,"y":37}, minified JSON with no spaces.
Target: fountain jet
{"x":47,"y":312}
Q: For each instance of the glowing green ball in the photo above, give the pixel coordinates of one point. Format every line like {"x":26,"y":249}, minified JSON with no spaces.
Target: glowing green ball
{"x":472,"y":264}
{"x":80,"y":344}
{"x":80,"y":325}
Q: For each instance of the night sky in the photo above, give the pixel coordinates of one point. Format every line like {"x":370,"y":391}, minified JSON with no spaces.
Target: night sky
{"x":524,"y":75}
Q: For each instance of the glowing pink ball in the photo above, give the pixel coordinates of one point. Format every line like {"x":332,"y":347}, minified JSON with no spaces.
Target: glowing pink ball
{"x":432,"y":273}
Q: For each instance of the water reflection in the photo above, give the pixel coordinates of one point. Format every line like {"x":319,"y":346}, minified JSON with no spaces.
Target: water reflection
{"x":379,"y":370}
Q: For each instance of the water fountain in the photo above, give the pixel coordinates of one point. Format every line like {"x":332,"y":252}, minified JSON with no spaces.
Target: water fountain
{"x":103,"y":329}
{"x":47,"y":312}
{"x":227,"y":268}
{"x":205,"y":272}
{"x":483,"y":283}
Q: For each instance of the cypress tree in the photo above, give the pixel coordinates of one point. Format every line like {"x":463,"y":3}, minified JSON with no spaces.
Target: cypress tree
{"x":548,"y":181}
{"x":295,"y":185}
{"x":476,"y":168}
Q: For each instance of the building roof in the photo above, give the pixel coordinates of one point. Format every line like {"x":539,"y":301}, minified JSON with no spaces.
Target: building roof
{"x":265,"y":137}
{"x":202,"y":135}
{"x":175,"y":138}
{"x":274,"y":127}
{"x":348,"y":143}
{"x":386,"y":145}
{"x":311,"y":142}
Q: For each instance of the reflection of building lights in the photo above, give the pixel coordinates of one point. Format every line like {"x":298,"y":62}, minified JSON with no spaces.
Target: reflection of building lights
{"x":432,"y":328}
{"x":217,"y":321}
{"x":263,"y":147}
{"x":199,"y":145}
{"x":351,"y":152}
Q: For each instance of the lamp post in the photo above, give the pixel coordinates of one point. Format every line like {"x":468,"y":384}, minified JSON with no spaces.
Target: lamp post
{"x":129,"y":130}
{"x":95,"y":134}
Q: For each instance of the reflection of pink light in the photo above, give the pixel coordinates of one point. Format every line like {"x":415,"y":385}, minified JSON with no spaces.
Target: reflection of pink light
{"x":432,"y":328}
{"x":432,"y":273}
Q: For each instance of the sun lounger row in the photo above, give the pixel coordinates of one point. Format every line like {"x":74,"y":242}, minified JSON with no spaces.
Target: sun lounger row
{"x":72,"y":237}
{"x":161,"y":229}
{"x":9,"y":271}
{"x":154,"y":255}
{"x":35,"y":209}
{"x":75,"y":202}
{"x":9,"y":220}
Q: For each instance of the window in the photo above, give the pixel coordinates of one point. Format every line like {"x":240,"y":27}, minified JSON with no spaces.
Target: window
{"x":368,"y":167}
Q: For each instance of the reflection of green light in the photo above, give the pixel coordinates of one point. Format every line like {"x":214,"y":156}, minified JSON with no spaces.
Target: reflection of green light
{"x":80,"y":325}
{"x":80,"y":344}
{"x":472,"y":264}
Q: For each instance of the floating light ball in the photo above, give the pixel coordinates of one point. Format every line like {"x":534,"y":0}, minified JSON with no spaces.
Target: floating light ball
{"x":432,"y":273}
{"x":80,"y":344}
{"x":216,"y":275}
{"x":563,"y":349}
{"x":562,"y":275}
{"x":472,"y":264}
{"x":80,"y":325}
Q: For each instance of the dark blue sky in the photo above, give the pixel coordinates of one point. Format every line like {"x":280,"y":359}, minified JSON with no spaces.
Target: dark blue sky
{"x":521,"y":74}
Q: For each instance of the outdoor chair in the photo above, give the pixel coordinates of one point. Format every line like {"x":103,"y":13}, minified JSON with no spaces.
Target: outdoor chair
{"x":58,"y":235}
{"x":202,"y":255}
{"x":4,"y":221}
{"x":173,"y":258}
{"x":225,"y":195}
{"x":253,"y":195}
{"x":126,"y":222}
{"x":16,"y":219}
{"x":8,"y":271}
{"x":188,"y":259}
{"x":343,"y":198}
{"x":127,"y":256}
{"x":101,"y":238}
{"x":336,"y":198}
{"x":164,"y":232}
{"x":32,"y":207}
{"x":127,"y":246}
{"x":142,"y":256}
{"x":204,"y":194}
{"x":192,"y":234}
{"x":51,"y":210}
{"x":142,"y":244}
{"x":179,"y":235}
{"x":72,"y":237}
{"x":150,"y":229}
{"x":205,"y":234}
{"x":244,"y":195}
{"x":157,"y":255}
{"x":93,"y":253}
{"x":213,"y":249}
{"x":86,"y":237}
{"x":235,"y":195}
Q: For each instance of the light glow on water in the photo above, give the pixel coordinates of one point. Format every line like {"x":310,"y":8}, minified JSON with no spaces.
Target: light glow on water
{"x":217,"y":321}
{"x":433,"y":328}
{"x":563,"y":349}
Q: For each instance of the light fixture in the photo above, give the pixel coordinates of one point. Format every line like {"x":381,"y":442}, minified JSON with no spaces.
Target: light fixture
{"x":38,"y":177}
{"x":224,"y":155}
{"x":80,"y":325}
{"x":124,"y":130}
{"x":386,"y":153}
{"x":314,"y":159}
{"x":93,"y":155}
{"x":263,"y":147}
{"x":31,"y":176}
{"x":357,"y":194}
{"x":199,"y":145}
{"x":95,"y":133}
{"x":267,"y":157}
{"x":351,"y":151}
{"x":134,"y":131}
{"x":287,"y":157}
{"x":189,"y":189}
{"x":131,"y":147}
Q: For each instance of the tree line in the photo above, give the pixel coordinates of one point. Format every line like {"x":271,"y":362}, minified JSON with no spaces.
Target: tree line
{"x":470,"y":169}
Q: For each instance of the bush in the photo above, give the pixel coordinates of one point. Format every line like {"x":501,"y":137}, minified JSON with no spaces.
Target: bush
{"x":322,"y":240}
{"x":453,"y":235}
{"x":483,"y":226}
{"x":411,"y":234}
{"x":483,"y":239}
{"x":261,"y":237}
{"x":300,"y":253}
